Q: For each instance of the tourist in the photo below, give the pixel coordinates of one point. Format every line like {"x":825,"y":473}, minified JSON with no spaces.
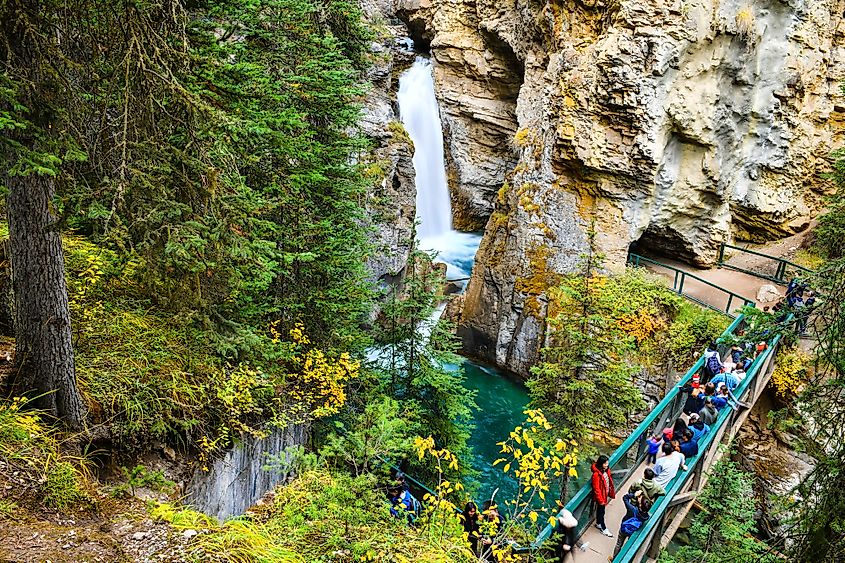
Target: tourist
{"x":698,"y":427}
{"x":567,"y":527}
{"x":490,"y":530}
{"x":726,"y":378}
{"x":719,"y":401}
{"x":637,"y":506}
{"x":401,"y":482}
{"x":736,"y":353}
{"x":708,"y":413}
{"x":692,"y":404}
{"x":803,"y":314}
{"x":712,"y":361}
{"x":403,"y":502}
{"x":603,"y":491}
{"x":678,"y":428}
{"x":647,"y":485}
{"x":653,"y":447}
{"x":729,"y":398}
{"x":472,"y":526}
{"x":667,"y":466}
{"x":689,"y":447}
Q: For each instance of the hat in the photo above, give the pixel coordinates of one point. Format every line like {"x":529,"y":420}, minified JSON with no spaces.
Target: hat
{"x":566,"y":519}
{"x":693,"y":417}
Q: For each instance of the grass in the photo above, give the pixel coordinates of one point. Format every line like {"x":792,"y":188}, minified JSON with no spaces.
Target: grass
{"x":35,"y":464}
{"x":318,"y":517}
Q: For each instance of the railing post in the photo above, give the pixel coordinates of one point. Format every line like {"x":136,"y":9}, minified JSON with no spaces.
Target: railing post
{"x":681,"y":288}
{"x":721,"y":253}
{"x":728,"y":306}
{"x":675,"y":283}
{"x":654,"y":545}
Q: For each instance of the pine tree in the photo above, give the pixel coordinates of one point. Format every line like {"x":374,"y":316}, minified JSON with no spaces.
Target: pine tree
{"x":30,"y":116}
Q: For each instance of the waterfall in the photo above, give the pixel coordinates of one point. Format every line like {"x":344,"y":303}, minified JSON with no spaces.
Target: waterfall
{"x":420,"y":115}
{"x":421,"y":118}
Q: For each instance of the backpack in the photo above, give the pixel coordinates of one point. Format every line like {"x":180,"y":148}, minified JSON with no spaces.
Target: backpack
{"x":631,"y":525}
{"x":416,"y":507}
{"x":714,"y":366}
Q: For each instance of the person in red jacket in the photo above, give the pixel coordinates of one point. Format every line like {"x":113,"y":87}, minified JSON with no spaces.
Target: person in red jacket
{"x":603,"y":491}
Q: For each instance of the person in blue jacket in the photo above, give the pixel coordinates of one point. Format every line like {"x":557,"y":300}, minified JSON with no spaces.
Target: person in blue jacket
{"x":637,"y":506}
{"x":403,"y":502}
{"x":698,"y":427}
{"x":689,"y":447}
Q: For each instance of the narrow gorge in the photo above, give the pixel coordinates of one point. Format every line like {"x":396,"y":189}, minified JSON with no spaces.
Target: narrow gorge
{"x":666,"y":125}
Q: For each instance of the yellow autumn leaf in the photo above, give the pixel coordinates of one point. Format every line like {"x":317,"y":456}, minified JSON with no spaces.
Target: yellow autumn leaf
{"x":532,"y":516}
{"x":573,"y":472}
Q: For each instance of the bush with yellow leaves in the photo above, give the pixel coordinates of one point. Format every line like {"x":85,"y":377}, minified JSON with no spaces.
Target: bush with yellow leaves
{"x":792,"y":371}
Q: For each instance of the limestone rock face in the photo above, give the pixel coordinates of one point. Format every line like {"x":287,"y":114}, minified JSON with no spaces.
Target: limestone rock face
{"x":391,"y":201}
{"x":477,"y":78}
{"x":672,"y":124}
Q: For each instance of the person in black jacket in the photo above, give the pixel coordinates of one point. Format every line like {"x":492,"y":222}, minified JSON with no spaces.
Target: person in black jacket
{"x":472,"y":526}
{"x":566,"y":528}
{"x":637,"y":506}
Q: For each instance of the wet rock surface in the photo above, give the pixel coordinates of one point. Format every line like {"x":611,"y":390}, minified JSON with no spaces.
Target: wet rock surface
{"x":671,"y":126}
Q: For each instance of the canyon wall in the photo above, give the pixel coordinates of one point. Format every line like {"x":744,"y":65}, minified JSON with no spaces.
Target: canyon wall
{"x":391,"y":200}
{"x":671,"y":125}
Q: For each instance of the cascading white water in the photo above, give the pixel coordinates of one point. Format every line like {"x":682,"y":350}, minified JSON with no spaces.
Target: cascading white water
{"x":421,"y":117}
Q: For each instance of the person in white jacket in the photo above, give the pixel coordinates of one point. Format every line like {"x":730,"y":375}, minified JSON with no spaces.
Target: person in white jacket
{"x":667,"y":466}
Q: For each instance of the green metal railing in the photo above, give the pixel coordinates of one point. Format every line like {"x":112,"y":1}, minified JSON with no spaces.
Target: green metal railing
{"x":681,"y":278}
{"x":779,"y":271}
{"x":634,"y":544}
{"x":632,"y":452}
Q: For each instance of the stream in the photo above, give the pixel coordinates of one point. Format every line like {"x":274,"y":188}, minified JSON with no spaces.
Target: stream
{"x":501,"y":398}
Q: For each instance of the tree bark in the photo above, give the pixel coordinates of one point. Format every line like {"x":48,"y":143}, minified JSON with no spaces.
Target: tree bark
{"x":44,"y":365}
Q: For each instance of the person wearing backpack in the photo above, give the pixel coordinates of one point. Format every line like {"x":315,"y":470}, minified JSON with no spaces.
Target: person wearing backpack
{"x":712,"y":362}
{"x":637,"y":506}
{"x":403,"y":502}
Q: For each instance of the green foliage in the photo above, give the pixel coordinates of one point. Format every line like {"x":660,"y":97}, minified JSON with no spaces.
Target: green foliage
{"x":31,"y":450}
{"x":320,"y":517}
{"x":207,"y":151}
{"x":585,"y":381}
{"x":723,"y":530}
{"x":415,"y":356}
{"x":139,"y":476}
{"x":831,"y":228}
{"x":382,"y":431}
{"x":603,"y":331}
{"x":9,"y":509}
{"x":62,"y":488}
{"x":691,"y":331}
{"x":818,"y":524}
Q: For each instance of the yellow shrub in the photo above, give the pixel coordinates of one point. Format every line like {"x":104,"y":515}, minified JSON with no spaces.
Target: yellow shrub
{"x":791,"y":372}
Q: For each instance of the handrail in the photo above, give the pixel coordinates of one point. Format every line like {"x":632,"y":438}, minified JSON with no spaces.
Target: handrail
{"x":780,"y":275}
{"x":662,"y":504}
{"x":581,"y":499}
{"x":680,"y":278}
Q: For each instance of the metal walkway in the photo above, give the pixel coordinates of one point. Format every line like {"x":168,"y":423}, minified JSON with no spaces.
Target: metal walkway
{"x":628,"y":461}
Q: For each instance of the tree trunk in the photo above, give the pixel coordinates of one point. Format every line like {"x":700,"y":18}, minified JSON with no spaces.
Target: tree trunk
{"x":43,"y":351}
